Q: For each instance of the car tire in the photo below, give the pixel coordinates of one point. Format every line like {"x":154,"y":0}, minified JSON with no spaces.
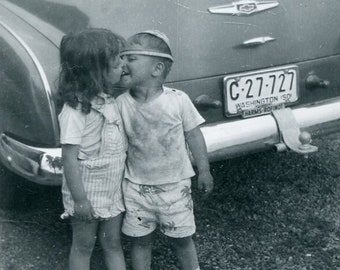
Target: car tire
{"x":9,"y":187}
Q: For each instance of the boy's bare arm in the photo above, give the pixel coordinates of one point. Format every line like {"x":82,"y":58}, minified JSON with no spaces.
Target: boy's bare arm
{"x":82,"y":207}
{"x":198,"y":149}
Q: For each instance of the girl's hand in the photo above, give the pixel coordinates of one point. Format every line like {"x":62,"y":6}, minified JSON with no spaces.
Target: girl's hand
{"x":83,"y":210}
{"x":205,"y":182}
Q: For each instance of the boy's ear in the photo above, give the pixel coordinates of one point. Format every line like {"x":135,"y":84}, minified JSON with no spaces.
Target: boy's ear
{"x":158,"y":69}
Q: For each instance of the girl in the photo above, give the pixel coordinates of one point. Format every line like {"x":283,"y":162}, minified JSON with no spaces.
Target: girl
{"x":93,"y":145}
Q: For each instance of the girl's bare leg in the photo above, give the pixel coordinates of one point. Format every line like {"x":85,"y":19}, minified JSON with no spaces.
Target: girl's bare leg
{"x":83,"y":241}
{"x":109,"y":237}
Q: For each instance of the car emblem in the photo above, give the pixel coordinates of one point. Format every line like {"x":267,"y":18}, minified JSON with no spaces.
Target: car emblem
{"x":243,"y":7}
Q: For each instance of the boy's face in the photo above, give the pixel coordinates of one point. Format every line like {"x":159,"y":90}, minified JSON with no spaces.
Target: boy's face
{"x":137,"y":70}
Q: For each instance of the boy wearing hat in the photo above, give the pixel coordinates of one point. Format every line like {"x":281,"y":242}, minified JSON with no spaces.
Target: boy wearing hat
{"x":159,"y":122}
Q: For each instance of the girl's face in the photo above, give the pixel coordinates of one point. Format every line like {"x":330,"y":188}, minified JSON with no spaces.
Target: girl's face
{"x":114,"y":71}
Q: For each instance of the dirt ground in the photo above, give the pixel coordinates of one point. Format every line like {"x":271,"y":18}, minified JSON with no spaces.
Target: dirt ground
{"x":268,"y":211}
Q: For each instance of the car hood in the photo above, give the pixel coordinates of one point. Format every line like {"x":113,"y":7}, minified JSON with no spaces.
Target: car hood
{"x":206,"y":44}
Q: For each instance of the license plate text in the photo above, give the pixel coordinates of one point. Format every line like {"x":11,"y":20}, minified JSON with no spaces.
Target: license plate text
{"x":265,"y":88}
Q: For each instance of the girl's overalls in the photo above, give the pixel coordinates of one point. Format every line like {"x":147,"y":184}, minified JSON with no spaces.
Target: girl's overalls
{"x":102,"y":175}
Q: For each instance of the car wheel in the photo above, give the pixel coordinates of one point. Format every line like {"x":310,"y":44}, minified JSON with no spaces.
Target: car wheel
{"x":9,"y":187}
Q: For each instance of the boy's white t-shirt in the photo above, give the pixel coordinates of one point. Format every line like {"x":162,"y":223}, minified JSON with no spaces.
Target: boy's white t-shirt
{"x":157,"y":151}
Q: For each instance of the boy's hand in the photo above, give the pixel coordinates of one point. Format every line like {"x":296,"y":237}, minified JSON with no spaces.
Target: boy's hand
{"x":83,"y":210}
{"x":205,"y":182}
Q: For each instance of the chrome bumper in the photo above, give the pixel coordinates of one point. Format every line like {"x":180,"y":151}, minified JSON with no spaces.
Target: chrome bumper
{"x":235,"y":138}
{"x":224,"y":140}
{"x":39,"y":165}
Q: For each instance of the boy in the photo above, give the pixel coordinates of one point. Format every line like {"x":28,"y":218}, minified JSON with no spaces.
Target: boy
{"x":159,"y":121}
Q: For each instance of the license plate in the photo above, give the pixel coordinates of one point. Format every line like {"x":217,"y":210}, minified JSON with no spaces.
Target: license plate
{"x":260,"y":92}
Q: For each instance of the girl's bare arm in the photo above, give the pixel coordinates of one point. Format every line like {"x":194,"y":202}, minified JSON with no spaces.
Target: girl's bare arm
{"x":82,"y":207}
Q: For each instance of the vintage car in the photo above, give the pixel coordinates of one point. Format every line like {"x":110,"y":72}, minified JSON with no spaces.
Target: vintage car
{"x":264,"y":74}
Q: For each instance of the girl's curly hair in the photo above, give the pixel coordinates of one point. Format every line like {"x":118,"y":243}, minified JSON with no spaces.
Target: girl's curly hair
{"x":84,"y":57}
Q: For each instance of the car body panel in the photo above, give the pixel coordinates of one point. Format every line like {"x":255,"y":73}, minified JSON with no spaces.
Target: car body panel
{"x":28,"y":103}
{"x":210,"y":45}
{"x":209,"y":42}
{"x":206,"y":48}
{"x":327,"y":68}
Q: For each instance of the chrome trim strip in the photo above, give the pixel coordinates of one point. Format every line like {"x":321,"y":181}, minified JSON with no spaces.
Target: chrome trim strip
{"x":257,"y":41}
{"x":42,"y":76}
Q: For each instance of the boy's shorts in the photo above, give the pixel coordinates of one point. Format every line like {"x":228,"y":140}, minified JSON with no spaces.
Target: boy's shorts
{"x":169,"y":206}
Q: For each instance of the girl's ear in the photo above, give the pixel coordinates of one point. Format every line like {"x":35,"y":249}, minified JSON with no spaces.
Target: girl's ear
{"x":158,"y":69}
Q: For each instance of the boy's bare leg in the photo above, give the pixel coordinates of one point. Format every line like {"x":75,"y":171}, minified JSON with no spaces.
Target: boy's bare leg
{"x":186,"y":253}
{"x":110,"y":240}
{"x":141,"y":252}
{"x":83,"y":241}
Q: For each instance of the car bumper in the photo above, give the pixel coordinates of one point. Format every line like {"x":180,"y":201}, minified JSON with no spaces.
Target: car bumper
{"x":231,"y":139}
{"x":224,"y":140}
{"x":39,"y":165}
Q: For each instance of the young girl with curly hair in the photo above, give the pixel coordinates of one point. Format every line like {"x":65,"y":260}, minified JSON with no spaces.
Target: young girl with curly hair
{"x":93,"y":145}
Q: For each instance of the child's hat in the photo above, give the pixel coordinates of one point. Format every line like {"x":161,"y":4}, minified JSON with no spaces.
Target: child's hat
{"x":150,"y":52}
{"x":158,"y":34}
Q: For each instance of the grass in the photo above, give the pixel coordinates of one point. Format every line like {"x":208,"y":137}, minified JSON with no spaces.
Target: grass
{"x":268,"y":211}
